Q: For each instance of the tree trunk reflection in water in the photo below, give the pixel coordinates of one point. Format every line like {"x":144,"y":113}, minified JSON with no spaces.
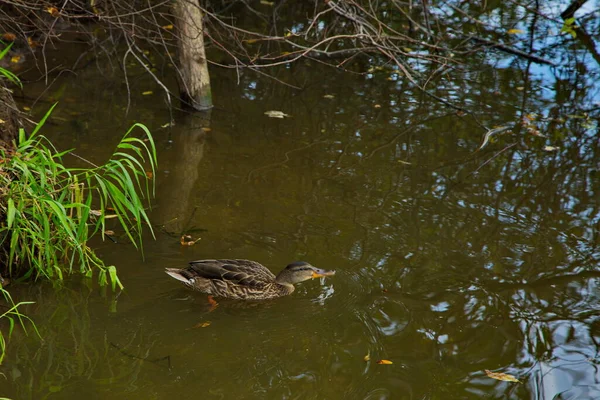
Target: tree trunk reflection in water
{"x":175,"y":206}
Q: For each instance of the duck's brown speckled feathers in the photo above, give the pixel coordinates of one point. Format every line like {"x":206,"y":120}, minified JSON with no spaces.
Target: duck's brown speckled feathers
{"x":243,"y":279}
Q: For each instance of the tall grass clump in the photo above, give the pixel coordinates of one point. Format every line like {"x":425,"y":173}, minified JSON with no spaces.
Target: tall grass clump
{"x":51,"y":211}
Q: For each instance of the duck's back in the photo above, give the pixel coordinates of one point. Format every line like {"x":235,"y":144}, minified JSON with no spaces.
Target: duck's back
{"x":242,"y":272}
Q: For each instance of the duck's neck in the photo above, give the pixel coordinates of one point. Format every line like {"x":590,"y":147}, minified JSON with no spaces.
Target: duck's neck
{"x":287,"y":287}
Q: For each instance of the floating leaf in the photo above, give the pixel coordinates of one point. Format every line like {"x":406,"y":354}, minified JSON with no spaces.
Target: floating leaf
{"x":514,"y":31}
{"x":15,"y":59}
{"x":188,"y":240}
{"x":202,"y":324}
{"x":550,"y":148}
{"x":276,"y":114}
{"x":377,"y":106}
{"x":2,"y":121}
{"x":147,"y":92}
{"x":26,"y":108}
{"x":109,"y":233}
{"x":384,"y":362}
{"x":367,"y":357}
{"x":168,"y":27}
{"x":520,"y":88}
{"x":53,"y":11}
{"x":501,"y":376}
{"x":206,"y":129}
{"x":329,"y":96}
{"x":267,"y":3}
{"x":250,"y":41}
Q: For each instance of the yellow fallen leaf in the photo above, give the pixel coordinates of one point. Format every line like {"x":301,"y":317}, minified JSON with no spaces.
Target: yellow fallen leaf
{"x":550,"y":148}
{"x":168,"y":27}
{"x":384,"y":362}
{"x":377,"y":106}
{"x":9,"y":37}
{"x":109,"y":233}
{"x":250,"y":41}
{"x":329,"y":96}
{"x":2,"y":121}
{"x":514,"y":31}
{"x":501,"y":376}
{"x":149,"y":174}
{"x":27,"y":108}
{"x":206,"y":129}
{"x":267,"y":3}
{"x":53,"y":11}
{"x":147,"y":92}
{"x":201,"y":325}
{"x":15,"y":59}
{"x":367,"y":357}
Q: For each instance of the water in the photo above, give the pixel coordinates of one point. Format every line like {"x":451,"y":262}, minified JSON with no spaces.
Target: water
{"x":449,"y":260}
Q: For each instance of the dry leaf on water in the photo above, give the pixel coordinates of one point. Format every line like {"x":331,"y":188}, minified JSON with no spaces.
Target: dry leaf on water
{"x":53,"y":11}
{"x":9,"y":37}
{"x":200,"y":325}
{"x":187,"y":240}
{"x":367,"y":357}
{"x":384,"y":362}
{"x":276,"y":114}
{"x":550,"y":148}
{"x":501,"y":376}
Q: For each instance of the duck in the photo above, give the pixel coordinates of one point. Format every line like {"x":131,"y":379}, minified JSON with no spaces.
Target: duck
{"x":244,"y":279}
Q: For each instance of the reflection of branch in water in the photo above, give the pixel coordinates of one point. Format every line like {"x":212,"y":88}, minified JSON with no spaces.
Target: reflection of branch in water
{"x":155,"y":361}
{"x":287,"y":158}
{"x":390,"y":142}
{"x":545,"y":282}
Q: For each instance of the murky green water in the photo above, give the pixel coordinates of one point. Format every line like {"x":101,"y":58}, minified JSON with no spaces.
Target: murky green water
{"x":450,"y":261}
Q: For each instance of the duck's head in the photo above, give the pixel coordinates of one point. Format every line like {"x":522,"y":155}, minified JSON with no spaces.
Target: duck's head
{"x":300,"y":271}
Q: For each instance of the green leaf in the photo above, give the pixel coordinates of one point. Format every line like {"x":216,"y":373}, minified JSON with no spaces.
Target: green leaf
{"x":11,"y":212}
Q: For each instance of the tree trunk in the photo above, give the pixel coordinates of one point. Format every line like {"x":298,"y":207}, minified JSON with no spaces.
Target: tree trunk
{"x":195,"y":82}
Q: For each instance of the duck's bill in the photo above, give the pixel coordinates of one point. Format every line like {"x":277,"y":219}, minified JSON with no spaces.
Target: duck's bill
{"x":321,"y":273}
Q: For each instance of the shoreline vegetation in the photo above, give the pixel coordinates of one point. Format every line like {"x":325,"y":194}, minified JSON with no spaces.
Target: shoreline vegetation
{"x":50,"y":211}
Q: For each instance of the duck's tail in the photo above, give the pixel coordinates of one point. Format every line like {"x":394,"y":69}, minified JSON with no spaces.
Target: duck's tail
{"x":176,"y":273}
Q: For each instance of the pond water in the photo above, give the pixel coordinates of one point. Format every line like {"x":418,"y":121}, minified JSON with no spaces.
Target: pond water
{"x":450,"y":260}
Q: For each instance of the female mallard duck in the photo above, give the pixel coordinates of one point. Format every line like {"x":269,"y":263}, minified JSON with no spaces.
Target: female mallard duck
{"x":244,"y":279}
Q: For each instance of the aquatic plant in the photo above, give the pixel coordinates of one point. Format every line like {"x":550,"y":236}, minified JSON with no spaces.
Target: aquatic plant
{"x":51,"y":211}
